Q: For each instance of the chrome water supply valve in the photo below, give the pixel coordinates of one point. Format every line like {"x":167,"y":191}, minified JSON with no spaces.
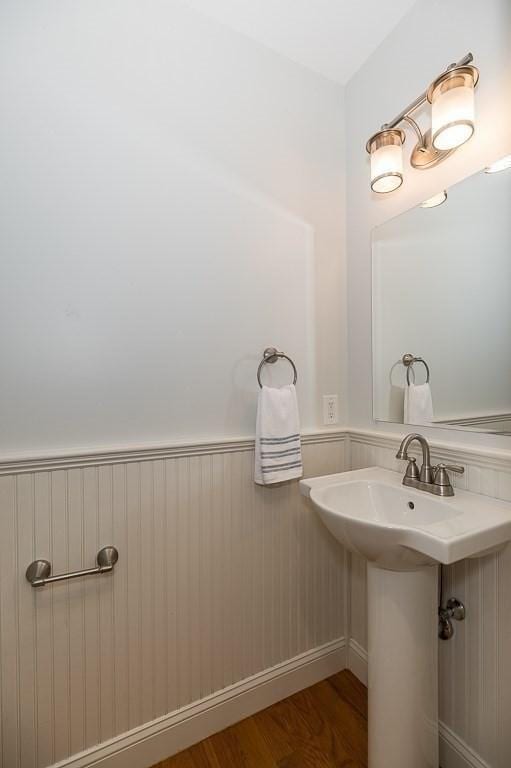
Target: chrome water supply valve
{"x":453,"y":610}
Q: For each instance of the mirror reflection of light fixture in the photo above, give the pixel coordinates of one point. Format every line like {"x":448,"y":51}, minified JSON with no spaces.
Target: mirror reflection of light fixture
{"x":433,"y":202}
{"x":500,"y":165}
{"x":451,"y":96}
{"x":386,"y":150}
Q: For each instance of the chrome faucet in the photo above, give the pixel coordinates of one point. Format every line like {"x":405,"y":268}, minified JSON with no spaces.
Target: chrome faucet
{"x":430,"y":479}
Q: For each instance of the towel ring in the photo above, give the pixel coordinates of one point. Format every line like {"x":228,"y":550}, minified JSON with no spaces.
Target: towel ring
{"x":408,"y":360}
{"x":271,"y":355}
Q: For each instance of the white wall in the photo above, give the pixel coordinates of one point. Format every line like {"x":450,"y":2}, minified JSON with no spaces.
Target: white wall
{"x":171,"y":203}
{"x":412,"y":55}
{"x":441,"y":290}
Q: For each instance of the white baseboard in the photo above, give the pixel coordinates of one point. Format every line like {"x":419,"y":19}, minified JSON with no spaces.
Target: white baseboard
{"x":454,"y":752}
{"x":148,"y":744}
{"x":357,"y":660}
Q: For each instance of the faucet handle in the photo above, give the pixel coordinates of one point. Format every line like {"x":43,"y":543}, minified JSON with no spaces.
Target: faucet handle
{"x":442,"y":473}
{"x":412,"y":470}
{"x":452,"y":468}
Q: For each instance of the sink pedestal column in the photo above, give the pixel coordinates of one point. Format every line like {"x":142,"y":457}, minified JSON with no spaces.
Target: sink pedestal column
{"x":403,"y":668}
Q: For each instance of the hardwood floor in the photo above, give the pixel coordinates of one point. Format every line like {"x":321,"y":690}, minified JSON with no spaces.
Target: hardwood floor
{"x":324,"y":726}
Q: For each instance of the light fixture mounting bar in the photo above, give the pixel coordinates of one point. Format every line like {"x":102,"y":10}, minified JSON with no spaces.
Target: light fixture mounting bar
{"x":423,"y":97}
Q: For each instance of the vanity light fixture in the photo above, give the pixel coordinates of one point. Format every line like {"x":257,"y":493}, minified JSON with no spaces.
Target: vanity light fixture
{"x":436,"y":200}
{"x":500,"y":165}
{"x":451,"y":96}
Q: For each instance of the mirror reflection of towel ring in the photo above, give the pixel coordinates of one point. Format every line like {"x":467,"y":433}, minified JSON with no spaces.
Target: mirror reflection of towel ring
{"x":408,"y":361}
{"x":271,"y":355}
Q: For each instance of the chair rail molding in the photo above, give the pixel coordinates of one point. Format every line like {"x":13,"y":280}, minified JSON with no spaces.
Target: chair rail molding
{"x":46,"y":461}
{"x":41,"y":461}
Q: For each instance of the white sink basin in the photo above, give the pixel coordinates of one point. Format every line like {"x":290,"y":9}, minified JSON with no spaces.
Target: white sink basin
{"x":404,"y":533}
{"x":371,"y":513}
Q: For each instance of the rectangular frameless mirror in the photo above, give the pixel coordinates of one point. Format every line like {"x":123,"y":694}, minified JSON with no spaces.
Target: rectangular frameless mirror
{"x":442,"y":293}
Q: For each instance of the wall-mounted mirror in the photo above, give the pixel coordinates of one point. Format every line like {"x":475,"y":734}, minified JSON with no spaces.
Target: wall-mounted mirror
{"x":442,"y":292}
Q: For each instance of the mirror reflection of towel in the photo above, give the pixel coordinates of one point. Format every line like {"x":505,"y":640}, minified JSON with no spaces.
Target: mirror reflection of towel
{"x":418,"y":405}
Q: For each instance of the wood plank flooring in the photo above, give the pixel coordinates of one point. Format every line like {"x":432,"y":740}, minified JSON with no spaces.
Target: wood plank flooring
{"x":324,"y":726}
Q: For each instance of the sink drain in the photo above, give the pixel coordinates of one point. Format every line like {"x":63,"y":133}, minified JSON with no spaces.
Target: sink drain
{"x":411,"y":505}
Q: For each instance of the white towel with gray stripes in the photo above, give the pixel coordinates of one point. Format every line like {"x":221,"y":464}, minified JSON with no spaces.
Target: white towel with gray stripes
{"x":278,"y":452}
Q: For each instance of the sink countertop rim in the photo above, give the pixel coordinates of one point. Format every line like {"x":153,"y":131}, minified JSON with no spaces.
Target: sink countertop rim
{"x":454,"y":543}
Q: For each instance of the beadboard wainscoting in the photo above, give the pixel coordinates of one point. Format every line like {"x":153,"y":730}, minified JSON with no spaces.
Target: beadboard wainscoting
{"x":226,"y":597}
{"x":218,"y":581}
{"x":475,"y":665}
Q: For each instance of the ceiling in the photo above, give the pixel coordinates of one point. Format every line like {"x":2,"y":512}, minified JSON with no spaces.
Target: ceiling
{"x":331,"y":37}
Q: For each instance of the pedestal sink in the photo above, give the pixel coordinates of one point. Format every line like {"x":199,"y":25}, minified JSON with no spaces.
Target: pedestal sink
{"x":404,"y":534}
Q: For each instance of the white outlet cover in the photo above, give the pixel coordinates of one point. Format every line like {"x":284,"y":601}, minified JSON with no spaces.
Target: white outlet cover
{"x":330,"y":409}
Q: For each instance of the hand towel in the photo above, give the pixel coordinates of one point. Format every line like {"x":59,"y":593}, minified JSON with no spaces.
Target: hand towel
{"x":278,"y":452}
{"x":418,"y":405}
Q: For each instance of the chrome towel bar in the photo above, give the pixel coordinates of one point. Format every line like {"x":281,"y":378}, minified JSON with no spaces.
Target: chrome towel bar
{"x":38,"y":573}
{"x":271,"y":355}
{"x":408,"y":360}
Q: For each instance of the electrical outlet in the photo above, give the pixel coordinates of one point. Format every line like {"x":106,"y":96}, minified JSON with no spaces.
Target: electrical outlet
{"x":330,"y":409}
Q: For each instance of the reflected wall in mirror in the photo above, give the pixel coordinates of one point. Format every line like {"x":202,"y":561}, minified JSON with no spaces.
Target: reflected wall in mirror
{"x":442,"y":292}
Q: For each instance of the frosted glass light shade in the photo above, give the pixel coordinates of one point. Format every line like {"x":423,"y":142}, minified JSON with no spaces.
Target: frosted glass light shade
{"x":386,"y":149}
{"x":452,"y":109}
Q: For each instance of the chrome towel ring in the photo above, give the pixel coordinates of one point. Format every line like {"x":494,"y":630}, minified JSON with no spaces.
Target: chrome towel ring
{"x":271,"y":355}
{"x":408,"y":360}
